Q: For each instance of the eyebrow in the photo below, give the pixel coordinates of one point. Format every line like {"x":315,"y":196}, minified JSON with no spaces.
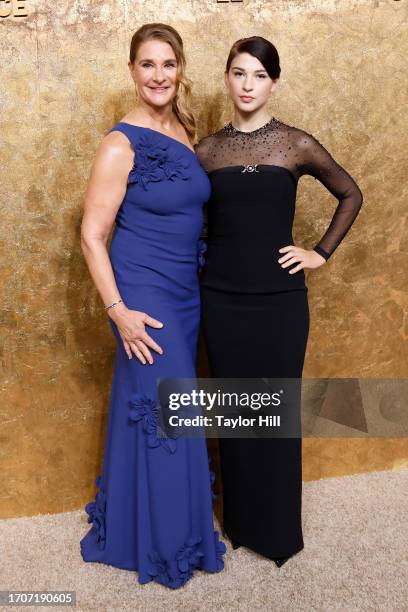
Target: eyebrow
{"x":243,"y":70}
{"x":147,"y":59}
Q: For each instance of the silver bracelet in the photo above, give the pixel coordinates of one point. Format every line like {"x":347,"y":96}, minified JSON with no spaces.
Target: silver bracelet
{"x":112,"y":305}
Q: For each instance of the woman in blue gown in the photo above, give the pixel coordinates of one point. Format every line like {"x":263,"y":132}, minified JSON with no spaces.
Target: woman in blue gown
{"x":153,"y":508}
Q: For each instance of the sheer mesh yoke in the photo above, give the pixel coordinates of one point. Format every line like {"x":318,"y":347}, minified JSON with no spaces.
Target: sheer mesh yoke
{"x":294,"y":150}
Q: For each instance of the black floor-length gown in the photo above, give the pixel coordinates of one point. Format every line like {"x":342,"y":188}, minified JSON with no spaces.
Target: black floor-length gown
{"x":256,"y":314}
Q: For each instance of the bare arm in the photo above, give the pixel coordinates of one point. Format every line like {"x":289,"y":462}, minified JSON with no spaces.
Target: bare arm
{"x":104,"y":194}
{"x":105,"y":191}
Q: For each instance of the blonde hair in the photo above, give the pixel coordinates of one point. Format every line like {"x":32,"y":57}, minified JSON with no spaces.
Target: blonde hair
{"x":182,"y":100}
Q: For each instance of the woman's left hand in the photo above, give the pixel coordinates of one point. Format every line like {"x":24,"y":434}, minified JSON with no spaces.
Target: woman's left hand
{"x":304,"y":258}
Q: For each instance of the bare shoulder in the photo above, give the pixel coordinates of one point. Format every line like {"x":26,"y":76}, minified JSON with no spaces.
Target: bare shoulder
{"x":114,"y":158}
{"x":116,"y":146}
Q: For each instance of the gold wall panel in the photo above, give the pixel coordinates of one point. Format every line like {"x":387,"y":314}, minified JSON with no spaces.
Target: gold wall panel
{"x":64,"y":83}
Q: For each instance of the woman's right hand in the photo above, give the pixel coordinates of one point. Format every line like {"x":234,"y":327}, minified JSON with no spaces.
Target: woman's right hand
{"x":131,"y":326}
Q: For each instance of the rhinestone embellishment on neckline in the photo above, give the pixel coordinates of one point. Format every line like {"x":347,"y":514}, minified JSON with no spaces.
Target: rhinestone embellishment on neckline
{"x":231,"y":130}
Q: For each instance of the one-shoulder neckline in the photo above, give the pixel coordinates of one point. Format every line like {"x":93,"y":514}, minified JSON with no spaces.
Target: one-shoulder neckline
{"x":142,"y":127}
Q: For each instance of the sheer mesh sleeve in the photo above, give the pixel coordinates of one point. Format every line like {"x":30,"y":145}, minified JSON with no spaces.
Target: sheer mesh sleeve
{"x":316,"y":161}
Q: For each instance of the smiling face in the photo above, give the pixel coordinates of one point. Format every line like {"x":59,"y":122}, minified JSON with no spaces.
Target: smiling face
{"x":154,"y":72}
{"x":248,"y":83}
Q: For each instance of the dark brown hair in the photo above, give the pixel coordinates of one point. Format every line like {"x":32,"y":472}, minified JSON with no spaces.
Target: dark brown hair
{"x":260,"y":48}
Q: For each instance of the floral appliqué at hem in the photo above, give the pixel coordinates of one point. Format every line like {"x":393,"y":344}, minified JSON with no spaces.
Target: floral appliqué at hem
{"x":175,"y":573}
{"x":96,"y":514}
{"x":220,"y":550}
{"x":144,"y":409}
{"x":154,"y":162}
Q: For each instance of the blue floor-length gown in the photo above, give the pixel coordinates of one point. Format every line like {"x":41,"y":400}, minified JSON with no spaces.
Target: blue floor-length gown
{"x":153,"y":511}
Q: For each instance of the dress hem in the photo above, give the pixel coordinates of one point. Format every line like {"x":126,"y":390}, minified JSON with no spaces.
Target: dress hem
{"x":200,"y":566}
{"x":254,"y":548}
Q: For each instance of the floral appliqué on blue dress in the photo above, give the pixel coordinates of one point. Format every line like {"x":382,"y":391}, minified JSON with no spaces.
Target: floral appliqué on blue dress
{"x":154,"y":162}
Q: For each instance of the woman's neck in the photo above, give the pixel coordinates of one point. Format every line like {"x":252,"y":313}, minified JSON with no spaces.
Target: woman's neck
{"x":245,"y":123}
{"x":163,"y":119}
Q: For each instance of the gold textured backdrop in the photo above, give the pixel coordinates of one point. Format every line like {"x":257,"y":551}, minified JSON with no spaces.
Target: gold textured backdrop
{"x":65,"y":82}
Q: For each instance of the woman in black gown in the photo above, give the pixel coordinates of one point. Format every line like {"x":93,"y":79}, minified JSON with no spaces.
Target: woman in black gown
{"x":254,"y":297}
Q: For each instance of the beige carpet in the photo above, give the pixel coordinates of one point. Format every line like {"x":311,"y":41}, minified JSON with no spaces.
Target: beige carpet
{"x":355,"y":558}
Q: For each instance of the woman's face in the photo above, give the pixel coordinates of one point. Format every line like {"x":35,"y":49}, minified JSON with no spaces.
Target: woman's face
{"x":154,"y":72}
{"x":248,"y":83}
